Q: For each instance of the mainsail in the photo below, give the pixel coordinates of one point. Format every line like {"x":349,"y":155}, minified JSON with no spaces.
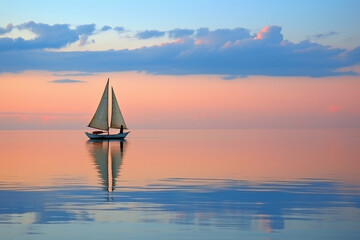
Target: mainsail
{"x":116,"y":117}
{"x":100,"y":119}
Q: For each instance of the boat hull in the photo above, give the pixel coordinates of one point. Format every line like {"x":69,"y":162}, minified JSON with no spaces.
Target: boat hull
{"x":106,"y":136}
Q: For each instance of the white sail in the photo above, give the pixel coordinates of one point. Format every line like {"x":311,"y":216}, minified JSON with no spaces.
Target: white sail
{"x":100,"y":119}
{"x":116,"y":117}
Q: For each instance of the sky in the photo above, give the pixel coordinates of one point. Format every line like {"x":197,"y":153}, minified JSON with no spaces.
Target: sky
{"x":181,"y":64}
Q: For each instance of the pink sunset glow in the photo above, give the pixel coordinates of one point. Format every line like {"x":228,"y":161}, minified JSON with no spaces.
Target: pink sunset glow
{"x":196,"y":101}
{"x":334,"y":108}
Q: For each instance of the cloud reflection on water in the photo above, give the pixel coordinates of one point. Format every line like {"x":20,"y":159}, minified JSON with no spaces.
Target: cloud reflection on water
{"x":217,"y":202}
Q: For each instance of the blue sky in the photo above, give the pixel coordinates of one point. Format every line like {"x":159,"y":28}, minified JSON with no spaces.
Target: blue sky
{"x":229,"y":38}
{"x":299,"y":19}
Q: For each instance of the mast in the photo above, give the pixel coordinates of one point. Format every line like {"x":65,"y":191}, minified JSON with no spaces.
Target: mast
{"x":110,"y":179}
{"x":100,"y":119}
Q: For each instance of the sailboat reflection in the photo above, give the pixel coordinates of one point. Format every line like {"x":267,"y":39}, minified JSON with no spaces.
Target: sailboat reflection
{"x":108,"y":158}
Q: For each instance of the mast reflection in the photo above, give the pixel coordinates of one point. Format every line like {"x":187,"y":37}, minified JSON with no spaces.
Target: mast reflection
{"x":108,"y":158}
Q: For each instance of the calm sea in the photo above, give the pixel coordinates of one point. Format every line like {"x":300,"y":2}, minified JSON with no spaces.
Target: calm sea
{"x":181,"y":184}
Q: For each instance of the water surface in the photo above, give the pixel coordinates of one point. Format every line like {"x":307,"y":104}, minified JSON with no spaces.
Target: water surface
{"x":181,"y":184}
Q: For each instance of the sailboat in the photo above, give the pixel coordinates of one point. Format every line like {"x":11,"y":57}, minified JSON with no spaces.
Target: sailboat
{"x":100,"y":119}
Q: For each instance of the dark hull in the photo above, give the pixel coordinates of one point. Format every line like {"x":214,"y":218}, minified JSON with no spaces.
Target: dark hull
{"x":106,"y":136}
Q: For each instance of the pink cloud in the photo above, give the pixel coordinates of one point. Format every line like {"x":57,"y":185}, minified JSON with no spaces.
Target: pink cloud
{"x":262,"y":33}
{"x":202,"y":41}
{"x":227,"y":44}
{"x":270,"y":33}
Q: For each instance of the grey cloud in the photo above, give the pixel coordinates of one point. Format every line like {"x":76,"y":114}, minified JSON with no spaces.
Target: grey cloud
{"x":119,"y":29}
{"x":226,"y":52}
{"x":325,"y":35}
{"x":86,"y":29}
{"x":219,"y":37}
{"x":48,"y":36}
{"x":66,"y":81}
{"x":84,"y":40}
{"x":150,"y":34}
{"x":7,"y":29}
{"x":105,"y":28}
{"x":179,"y":33}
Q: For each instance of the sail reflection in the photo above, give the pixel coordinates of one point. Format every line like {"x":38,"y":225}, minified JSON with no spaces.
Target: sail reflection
{"x":108,"y":158}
